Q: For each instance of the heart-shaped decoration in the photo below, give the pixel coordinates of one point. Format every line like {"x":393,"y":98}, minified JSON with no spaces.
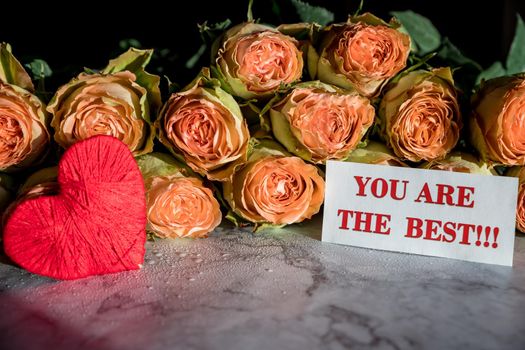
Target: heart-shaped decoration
{"x":96,"y":223}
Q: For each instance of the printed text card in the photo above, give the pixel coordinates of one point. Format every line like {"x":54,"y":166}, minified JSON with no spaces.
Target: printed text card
{"x":428,"y":212}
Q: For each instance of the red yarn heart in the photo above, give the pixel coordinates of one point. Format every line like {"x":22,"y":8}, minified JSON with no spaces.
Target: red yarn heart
{"x":95,"y":225}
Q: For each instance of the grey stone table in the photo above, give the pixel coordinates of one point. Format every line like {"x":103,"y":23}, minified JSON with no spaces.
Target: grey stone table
{"x":282,"y":289}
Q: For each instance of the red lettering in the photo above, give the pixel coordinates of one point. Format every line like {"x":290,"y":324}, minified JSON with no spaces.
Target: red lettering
{"x":344,"y":221}
{"x":431,"y":229}
{"x":364,"y":221}
{"x":414,"y":224}
{"x":444,"y":194}
{"x":393,"y":192}
{"x":436,"y":230}
{"x":384,"y":188}
{"x":466,"y":232}
{"x":449,"y":230}
{"x":464,"y":197}
{"x":361,"y":218}
{"x":425,"y":195}
{"x":361,"y":184}
{"x":382,"y":221}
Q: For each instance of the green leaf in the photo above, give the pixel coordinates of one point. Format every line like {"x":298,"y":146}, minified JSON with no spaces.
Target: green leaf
{"x":213,"y":30}
{"x":39,"y":68}
{"x":494,"y":71}
{"x":450,"y":53}
{"x":421,"y":30}
{"x":132,"y":60}
{"x":259,"y":227}
{"x":12,"y":71}
{"x":161,"y":164}
{"x":516,"y":58}
{"x":276,"y":8}
{"x":128,"y":43}
{"x":209,"y":34}
{"x":309,"y":13}
{"x":236,"y":219}
{"x":192,"y":61}
{"x":359,"y":8}
{"x":249,"y":14}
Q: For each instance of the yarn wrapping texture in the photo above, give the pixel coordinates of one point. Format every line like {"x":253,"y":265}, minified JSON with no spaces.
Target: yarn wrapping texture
{"x":96,"y":223}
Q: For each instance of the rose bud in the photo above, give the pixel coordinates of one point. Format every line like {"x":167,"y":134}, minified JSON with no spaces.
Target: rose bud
{"x":461,"y":163}
{"x":121,"y":101}
{"x":375,"y":153}
{"x":419,"y":115}
{"x":363,"y":53}
{"x":497,"y":123}
{"x":519,"y":172}
{"x":23,"y":134}
{"x":255,"y":60}
{"x":204,"y":125}
{"x":318,"y":122}
{"x":273,"y":188}
{"x":178,"y":204}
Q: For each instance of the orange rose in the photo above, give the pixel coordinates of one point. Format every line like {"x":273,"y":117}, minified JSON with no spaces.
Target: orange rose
{"x":23,"y":134}
{"x":180,"y":207}
{"x":206,"y":126}
{"x":317,"y":121}
{"x":276,"y":189}
{"x":255,"y":60}
{"x":519,"y":172}
{"x":363,"y":53}
{"x":116,"y":102}
{"x":497,"y":124}
{"x":178,"y":203}
{"x":419,"y":115}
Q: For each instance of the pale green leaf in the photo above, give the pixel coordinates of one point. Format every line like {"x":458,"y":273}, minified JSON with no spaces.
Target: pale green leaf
{"x":453,"y":55}
{"x":12,"y":71}
{"x":132,"y":60}
{"x":494,"y":71}
{"x":125,"y":44}
{"x":516,"y":57}
{"x":193,"y":60}
{"x":39,"y":68}
{"x":310,"y":13}
{"x":421,"y":30}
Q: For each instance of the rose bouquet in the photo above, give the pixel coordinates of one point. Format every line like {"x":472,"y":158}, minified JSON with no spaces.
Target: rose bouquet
{"x":363,"y":90}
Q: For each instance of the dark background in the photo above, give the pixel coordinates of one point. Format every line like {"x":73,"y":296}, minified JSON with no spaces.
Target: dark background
{"x":87,"y":34}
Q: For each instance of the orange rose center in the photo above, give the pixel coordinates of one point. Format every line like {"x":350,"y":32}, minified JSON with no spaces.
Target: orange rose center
{"x":11,"y":136}
{"x":377,"y":51}
{"x":278,"y":191}
{"x":281,"y":186}
{"x":330,"y":125}
{"x":194,"y":128}
{"x":267,"y":61}
{"x":181,"y":207}
{"x":426,"y":126}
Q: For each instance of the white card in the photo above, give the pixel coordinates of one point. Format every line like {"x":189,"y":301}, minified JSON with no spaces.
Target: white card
{"x":427,"y":212}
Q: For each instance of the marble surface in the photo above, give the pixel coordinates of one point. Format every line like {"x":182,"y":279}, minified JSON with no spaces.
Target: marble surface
{"x":281,"y":289}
